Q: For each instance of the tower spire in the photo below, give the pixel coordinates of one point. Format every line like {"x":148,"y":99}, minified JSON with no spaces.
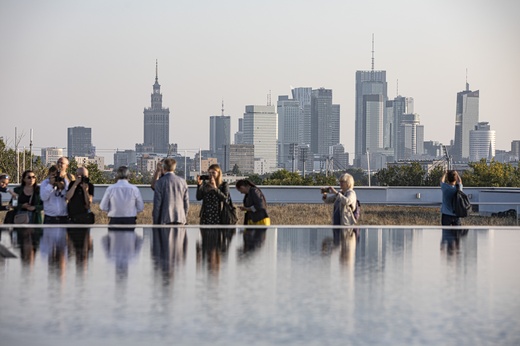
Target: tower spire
{"x":156,"y":71}
{"x":467,"y":84}
{"x":397,"y":86}
{"x":372,"y":52}
{"x":222,"y":106}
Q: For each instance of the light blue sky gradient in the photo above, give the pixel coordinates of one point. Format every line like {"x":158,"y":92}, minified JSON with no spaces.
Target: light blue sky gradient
{"x":92,"y":63}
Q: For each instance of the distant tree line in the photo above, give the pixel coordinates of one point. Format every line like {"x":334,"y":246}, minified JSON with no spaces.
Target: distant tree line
{"x":480,"y":174}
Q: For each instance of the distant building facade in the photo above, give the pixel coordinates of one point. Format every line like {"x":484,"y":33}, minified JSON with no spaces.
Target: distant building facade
{"x":125,"y":158}
{"x":243,"y":156}
{"x":371,"y":97}
{"x":466,"y":118}
{"x":290,"y":128}
{"x":79,"y":142}
{"x":325,"y":122}
{"x":220,"y":138}
{"x":156,"y":122}
{"x":51,"y":155}
{"x":261,"y":131}
{"x":481,"y":142}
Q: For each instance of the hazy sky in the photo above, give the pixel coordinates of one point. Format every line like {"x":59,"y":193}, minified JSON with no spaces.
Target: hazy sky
{"x":92,"y":63}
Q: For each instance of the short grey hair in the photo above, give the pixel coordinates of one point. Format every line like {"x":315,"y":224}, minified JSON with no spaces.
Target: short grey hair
{"x":349,"y":179}
{"x":122,"y":173}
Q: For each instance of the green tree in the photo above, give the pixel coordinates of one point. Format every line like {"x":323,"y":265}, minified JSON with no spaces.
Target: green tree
{"x":494,"y":174}
{"x":405,"y":175}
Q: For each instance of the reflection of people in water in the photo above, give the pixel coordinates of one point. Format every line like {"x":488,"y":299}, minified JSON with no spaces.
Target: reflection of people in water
{"x":344,"y":240}
{"x":214,"y":243}
{"x":28,"y":239}
{"x":450,"y":241}
{"x":53,"y":245}
{"x":121,"y":247}
{"x":168,"y":248}
{"x":80,"y":244}
{"x":254,"y":238}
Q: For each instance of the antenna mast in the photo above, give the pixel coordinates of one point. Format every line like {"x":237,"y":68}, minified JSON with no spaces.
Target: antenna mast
{"x":222,"y":106}
{"x":269,"y":98}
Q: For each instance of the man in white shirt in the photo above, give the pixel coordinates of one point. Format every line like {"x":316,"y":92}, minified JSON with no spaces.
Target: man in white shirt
{"x":122,"y":200}
{"x":52,"y":192}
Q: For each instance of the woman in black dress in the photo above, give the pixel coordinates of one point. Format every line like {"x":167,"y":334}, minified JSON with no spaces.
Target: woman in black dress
{"x":212,"y":192}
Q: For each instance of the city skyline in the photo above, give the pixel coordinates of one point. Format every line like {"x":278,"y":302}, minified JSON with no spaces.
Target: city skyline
{"x":92,"y":64}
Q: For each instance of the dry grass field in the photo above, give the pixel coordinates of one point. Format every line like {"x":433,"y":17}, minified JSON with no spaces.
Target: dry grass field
{"x":320,"y":214}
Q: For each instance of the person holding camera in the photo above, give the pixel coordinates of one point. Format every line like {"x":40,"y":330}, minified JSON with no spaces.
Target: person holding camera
{"x":212,"y":191}
{"x":344,"y":201}
{"x":52,"y":193}
{"x":79,"y":197}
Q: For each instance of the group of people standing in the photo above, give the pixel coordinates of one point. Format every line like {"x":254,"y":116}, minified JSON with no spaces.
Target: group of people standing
{"x":63,"y":198}
{"x":122,"y":201}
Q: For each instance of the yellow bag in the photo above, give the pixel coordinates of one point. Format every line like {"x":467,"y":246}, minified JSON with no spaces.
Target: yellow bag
{"x":264,"y":222}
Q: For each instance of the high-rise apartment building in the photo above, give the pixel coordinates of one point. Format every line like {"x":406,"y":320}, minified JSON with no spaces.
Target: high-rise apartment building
{"x":290,"y":127}
{"x":79,"y":142}
{"x":157,"y":121}
{"x":481,"y":142}
{"x":325,"y":122}
{"x":466,"y":119}
{"x":261,"y":130}
{"x":371,"y":97}
{"x":220,"y":138}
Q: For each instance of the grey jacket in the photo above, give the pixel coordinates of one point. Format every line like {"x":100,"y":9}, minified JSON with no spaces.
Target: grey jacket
{"x":171,"y":200}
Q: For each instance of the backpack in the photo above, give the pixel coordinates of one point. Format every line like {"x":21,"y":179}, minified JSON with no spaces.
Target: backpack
{"x":357,"y":211}
{"x":460,"y":203}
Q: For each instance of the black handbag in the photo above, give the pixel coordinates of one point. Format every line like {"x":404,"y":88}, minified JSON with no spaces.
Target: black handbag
{"x":228,"y":215}
{"x":9,"y":217}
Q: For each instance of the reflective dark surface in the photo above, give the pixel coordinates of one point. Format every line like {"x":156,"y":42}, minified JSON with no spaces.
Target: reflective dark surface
{"x":306,"y":286}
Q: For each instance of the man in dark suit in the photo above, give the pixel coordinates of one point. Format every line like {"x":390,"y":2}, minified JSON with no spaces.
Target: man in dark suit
{"x":171,"y":200}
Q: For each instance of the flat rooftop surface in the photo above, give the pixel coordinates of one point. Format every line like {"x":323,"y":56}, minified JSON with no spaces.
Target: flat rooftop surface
{"x":276,"y":286}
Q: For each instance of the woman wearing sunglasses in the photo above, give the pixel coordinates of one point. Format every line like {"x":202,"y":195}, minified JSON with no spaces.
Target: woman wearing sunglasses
{"x":29,"y":197}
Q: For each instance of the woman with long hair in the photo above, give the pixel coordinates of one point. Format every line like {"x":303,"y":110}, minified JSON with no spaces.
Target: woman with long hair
{"x":212,"y":191}
{"x":29,"y":197}
{"x":255,"y":204}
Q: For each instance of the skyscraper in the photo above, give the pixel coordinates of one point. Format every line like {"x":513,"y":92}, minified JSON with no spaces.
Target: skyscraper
{"x":79,"y":142}
{"x":261,"y":130}
{"x":324,"y":122}
{"x":157,"y":121}
{"x":303,"y":95}
{"x":290,"y":127}
{"x":371,"y":97}
{"x":394,"y":114}
{"x":481,"y":142}
{"x":220,"y":137}
{"x":410,"y":140}
{"x":466,"y":119}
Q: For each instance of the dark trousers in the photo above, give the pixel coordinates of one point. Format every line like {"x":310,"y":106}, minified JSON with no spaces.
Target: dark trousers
{"x":131,"y":220}
{"x":55,"y":220}
{"x":450,"y":220}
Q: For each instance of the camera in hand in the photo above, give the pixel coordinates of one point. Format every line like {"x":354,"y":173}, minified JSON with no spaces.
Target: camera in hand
{"x":85,"y":180}
{"x":58,"y":178}
{"x":325,"y":190}
{"x":204,"y":177}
